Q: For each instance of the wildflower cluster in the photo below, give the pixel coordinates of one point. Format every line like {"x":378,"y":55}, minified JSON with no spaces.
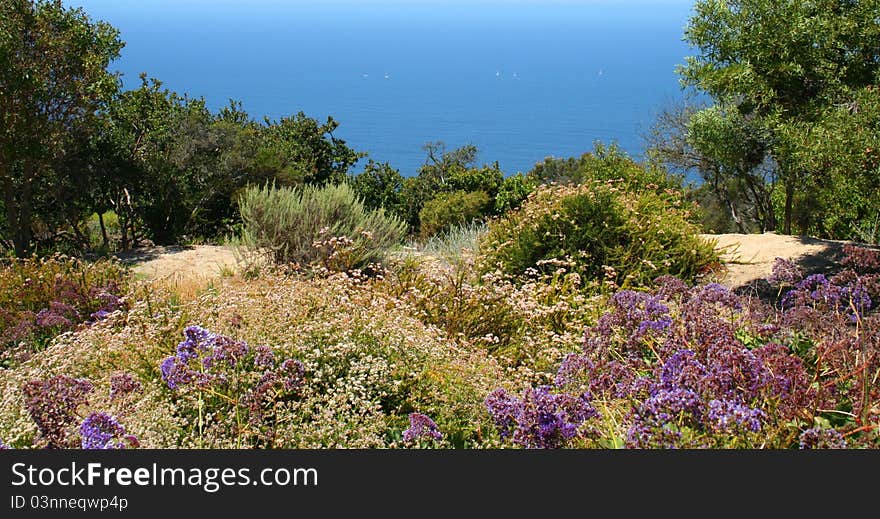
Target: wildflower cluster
{"x":542,"y":418}
{"x":41,"y":298}
{"x":421,"y":428}
{"x":239,"y":385}
{"x":705,"y":367}
{"x":102,"y":431}
{"x":53,"y":404}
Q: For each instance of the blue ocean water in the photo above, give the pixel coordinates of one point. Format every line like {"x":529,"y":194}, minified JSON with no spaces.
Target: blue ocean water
{"x":521,"y":80}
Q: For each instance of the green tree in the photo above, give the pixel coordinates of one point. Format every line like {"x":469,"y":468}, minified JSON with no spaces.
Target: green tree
{"x":378,"y":185}
{"x":451,"y":209}
{"x":784,"y":64}
{"x":54,"y":83}
{"x":444,"y":172}
{"x":729,"y":153}
{"x":299,"y":150}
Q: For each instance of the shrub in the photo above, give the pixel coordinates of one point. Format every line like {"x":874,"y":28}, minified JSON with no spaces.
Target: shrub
{"x":607,"y":234}
{"x":299,"y":225}
{"x":452,"y":209}
{"x":41,"y":298}
{"x":278,"y":361}
{"x":603,"y":163}
{"x":512,"y":192}
{"x":704,"y":367}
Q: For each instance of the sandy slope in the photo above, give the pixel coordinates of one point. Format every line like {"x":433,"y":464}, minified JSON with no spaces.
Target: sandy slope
{"x":747,"y":257}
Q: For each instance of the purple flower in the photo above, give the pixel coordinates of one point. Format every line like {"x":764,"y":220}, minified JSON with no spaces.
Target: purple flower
{"x":57,"y":315}
{"x":819,"y":438}
{"x":634,"y":316}
{"x":785,"y":272}
{"x":682,"y":371}
{"x":540,"y":419}
{"x":102,"y":431}
{"x":670,"y":286}
{"x":99,"y":315}
{"x":504,"y":409}
{"x":3,"y":445}
{"x":727,"y":416}
{"x":657,"y":420}
{"x":292,"y":373}
{"x":264,"y":357}
{"x":573,"y":368}
{"x":224,"y":350}
{"x":421,"y":428}
{"x":122,"y":384}
{"x":669,"y":405}
{"x":714,"y":293}
{"x":53,"y":403}
{"x":174,"y":374}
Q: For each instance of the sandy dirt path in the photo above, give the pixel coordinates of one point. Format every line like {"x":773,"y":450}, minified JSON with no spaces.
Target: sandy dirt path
{"x":747,"y":257}
{"x":181,"y":262}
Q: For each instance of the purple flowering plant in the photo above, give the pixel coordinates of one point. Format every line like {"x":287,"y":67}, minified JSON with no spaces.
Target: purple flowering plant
{"x":422,"y":431}
{"x":230,"y":387}
{"x":705,"y":367}
{"x":41,"y":298}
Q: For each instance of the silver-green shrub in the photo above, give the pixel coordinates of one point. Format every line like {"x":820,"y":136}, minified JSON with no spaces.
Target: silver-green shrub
{"x":308,"y":225}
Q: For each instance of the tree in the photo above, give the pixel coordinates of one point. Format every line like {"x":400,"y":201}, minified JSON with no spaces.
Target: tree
{"x":54,"y":82}
{"x":784,"y":64}
{"x":729,"y":153}
{"x":299,"y":150}
{"x":378,"y":185}
{"x":444,"y":172}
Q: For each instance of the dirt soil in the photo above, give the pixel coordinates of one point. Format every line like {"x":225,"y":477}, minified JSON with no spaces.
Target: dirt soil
{"x":746,"y":257}
{"x":749,"y":257}
{"x":181,"y":262}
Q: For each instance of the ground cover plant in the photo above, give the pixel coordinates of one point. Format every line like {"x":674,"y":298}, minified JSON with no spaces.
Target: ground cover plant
{"x":41,"y":298}
{"x":432,"y":353}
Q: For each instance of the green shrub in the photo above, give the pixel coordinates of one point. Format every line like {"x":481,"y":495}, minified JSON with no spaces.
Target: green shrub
{"x":603,"y":163}
{"x":316,"y":224}
{"x":513,"y":192}
{"x":451,"y":209}
{"x":606,"y":234}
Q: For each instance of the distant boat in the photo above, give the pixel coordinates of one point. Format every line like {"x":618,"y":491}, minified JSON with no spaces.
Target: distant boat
{"x":387,"y":76}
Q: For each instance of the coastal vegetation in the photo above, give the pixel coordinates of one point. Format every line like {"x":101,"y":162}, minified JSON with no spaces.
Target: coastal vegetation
{"x":576,"y":305}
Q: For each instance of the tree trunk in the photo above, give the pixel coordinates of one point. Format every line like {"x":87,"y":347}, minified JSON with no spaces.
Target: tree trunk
{"x":104,"y":238}
{"x":789,"y":195}
{"x":18,"y":214}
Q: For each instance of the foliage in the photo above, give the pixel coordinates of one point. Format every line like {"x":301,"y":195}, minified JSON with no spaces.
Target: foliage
{"x":452,"y":209}
{"x":603,"y":163}
{"x":433,"y":355}
{"x":623,"y":237}
{"x":446,"y":172}
{"x":379,"y":186}
{"x":41,"y":298}
{"x":512,"y":192}
{"x":728,"y":152}
{"x":787,"y":67}
{"x":345,"y":366}
{"x":299,"y":150}
{"x":311,"y":224}
{"x":54,"y":79}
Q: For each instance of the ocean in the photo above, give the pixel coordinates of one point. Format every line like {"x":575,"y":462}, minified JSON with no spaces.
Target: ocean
{"x":521,"y":80}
